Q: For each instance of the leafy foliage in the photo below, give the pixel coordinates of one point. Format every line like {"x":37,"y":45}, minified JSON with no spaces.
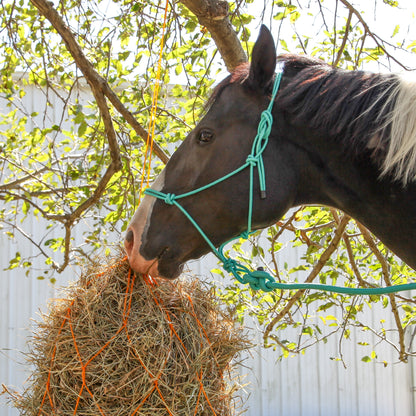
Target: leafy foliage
{"x":54,"y":152}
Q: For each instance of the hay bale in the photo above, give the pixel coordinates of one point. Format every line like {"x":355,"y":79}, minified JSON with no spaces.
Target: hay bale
{"x":117,"y":345}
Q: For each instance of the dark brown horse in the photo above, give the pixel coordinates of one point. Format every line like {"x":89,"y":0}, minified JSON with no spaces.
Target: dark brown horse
{"x":345,"y":139}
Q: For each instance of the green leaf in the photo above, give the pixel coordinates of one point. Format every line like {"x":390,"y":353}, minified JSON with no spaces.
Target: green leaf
{"x":178,"y":69}
{"x":294,"y":16}
{"x":15,"y":262}
{"x":391,"y":3}
{"x":82,"y":128}
{"x":25,"y":207}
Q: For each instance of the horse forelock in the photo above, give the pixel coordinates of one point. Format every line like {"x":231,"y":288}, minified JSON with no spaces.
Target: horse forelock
{"x":240,"y":73}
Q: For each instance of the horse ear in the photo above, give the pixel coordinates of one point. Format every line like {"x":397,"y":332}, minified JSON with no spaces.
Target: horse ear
{"x":263,"y":59}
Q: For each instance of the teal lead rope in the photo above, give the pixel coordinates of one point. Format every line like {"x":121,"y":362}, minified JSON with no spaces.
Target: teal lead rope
{"x":260,"y":279}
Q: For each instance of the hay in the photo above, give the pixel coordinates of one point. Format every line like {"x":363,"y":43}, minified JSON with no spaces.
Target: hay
{"x":114,"y":347}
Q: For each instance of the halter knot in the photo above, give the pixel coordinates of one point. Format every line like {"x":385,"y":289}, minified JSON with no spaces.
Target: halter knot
{"x":245,"y":234}
{"x":259,"y":280}
{"x":169,"y":199}
{"x":252,"y":160}
{"x":229,"y":265}
{"x":266,"y":121}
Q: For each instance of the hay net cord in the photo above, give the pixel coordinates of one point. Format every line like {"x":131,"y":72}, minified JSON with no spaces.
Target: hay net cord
{"x":147,"y":162}
{"x":86,"y":364}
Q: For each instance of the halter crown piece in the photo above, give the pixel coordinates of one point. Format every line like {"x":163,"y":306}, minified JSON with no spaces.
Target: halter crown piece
{"x":260,"y":279}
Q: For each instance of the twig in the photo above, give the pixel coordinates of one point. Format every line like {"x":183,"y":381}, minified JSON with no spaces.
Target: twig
{"x":344,"y":40}
{"x":33,"y":242}
{"x":343,"y":328}
{"x":315,"y":271}
{"x":67,"y":247}
{"x":386,"y":277}
{"x":351,"y":8}
{"x":16,"y":183}
{"x":354,"y":266}
{"x":346,"y":239}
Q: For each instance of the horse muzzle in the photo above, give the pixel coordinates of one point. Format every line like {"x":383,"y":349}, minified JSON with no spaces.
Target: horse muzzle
{"x":137,"y":262}
{"x":160,"y":266}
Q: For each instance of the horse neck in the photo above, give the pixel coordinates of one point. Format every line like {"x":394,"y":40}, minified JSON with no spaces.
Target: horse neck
{"x":331,"y":176}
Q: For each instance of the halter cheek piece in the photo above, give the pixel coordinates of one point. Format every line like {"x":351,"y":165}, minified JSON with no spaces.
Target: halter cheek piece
{"x":260,"y":279}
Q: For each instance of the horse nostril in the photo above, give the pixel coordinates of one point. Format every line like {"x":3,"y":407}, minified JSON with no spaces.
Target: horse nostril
{"x":166,"y":249}
{"x":130,"y":236}
{"x":129,"y":242}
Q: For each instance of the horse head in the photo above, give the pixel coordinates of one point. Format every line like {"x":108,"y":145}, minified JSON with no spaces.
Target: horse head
{"x":339,"y":138}
{"x":160,"y":238}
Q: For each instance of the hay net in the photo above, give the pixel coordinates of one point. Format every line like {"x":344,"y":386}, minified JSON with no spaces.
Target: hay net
{"x":118,"y":344}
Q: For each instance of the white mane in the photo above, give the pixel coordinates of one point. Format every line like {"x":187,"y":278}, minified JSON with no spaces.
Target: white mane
{"x":400,"y":160}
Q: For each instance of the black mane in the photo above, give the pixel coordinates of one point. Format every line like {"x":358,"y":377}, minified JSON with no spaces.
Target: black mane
{"x":352,"y":106}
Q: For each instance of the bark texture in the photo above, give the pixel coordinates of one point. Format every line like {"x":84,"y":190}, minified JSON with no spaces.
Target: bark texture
{"x":213,"y":14}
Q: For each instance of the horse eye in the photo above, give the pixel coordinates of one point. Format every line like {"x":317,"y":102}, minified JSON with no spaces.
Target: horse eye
{"x":205,"y":136}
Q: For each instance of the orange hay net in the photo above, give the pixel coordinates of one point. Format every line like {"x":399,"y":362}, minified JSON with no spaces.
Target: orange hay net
{"x":87,"y":362}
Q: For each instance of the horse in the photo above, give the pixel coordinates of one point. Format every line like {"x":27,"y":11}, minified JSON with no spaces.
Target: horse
{"x":342,"y":139}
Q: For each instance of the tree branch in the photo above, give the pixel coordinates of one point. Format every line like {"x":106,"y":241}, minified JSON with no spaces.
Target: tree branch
{"x":129,"y":117}
{"x":97,"y":83}
{"x":315,"y":271}
{"x":344,"y":39}
{"x":16,"y":183}
{"x":386,"y":277}
{"x":213,"y":14}
{"x":351,"y":8}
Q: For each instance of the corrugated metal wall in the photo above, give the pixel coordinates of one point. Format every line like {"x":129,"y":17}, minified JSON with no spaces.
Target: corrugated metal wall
{"x":306,"y":385}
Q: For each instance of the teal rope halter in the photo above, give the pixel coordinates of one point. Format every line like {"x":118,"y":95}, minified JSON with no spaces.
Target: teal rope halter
{"x":260,"y":279}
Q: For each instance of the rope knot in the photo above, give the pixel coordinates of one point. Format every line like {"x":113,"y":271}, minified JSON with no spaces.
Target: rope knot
{"x":229,"y":265}
{"x":245,"y":235}
{"x":259,"y":280}
{"x":252,"y":160}
{"x":266,"y":121}
{"x":169,"y":198}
